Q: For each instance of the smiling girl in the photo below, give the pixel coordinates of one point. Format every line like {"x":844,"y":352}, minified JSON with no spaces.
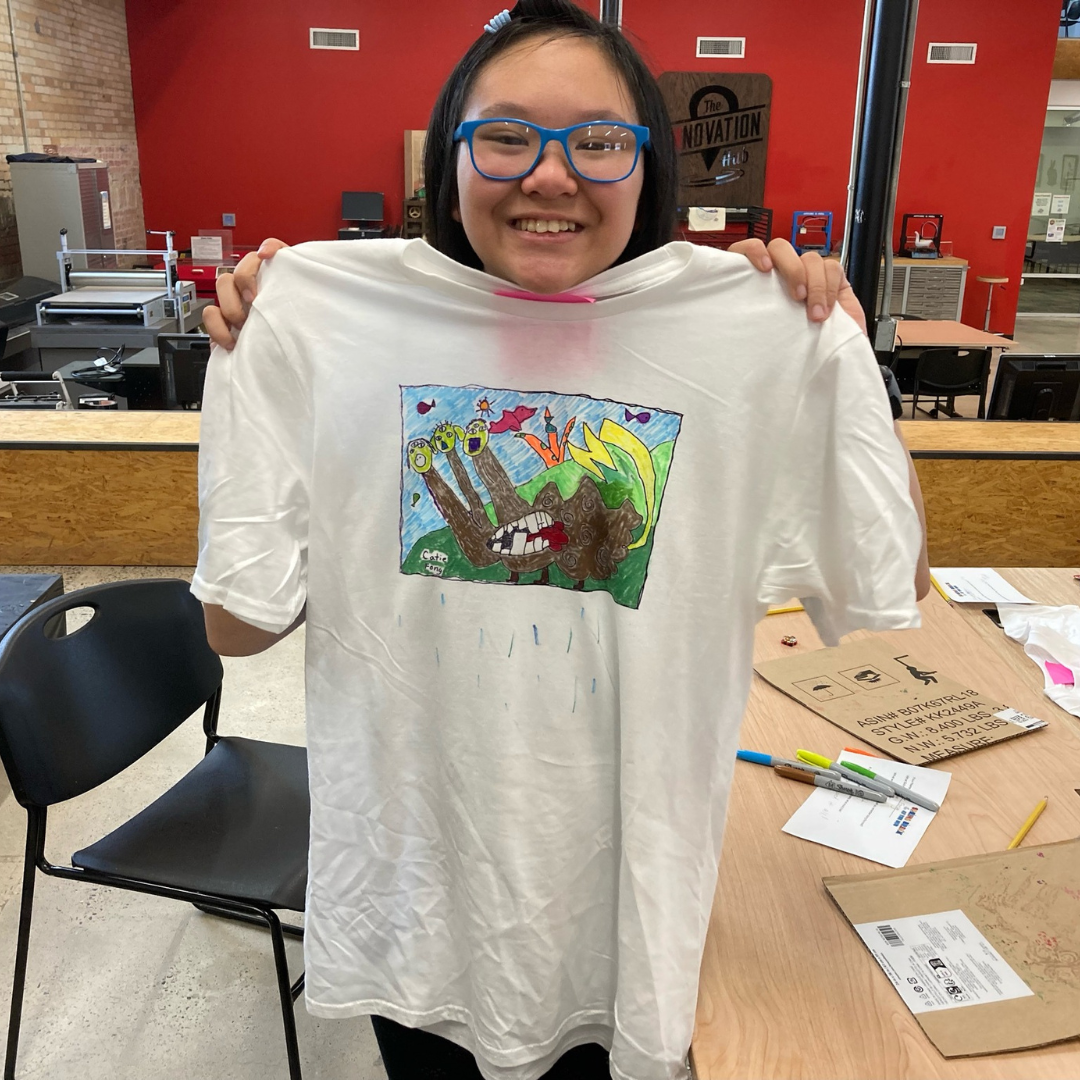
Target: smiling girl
{"x":526,"y":667}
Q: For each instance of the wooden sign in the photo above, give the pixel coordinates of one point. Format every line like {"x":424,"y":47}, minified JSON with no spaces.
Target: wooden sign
{"x":721,"y":125}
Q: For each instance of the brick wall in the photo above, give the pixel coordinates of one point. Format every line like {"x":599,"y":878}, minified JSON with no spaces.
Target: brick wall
{"x":76,"y":83}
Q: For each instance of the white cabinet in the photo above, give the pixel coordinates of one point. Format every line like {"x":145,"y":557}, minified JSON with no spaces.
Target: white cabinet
{"x":929,"y":288}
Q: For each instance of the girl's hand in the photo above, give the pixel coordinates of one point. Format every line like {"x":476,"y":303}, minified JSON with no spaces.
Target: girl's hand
{"x":235,"y":293}
{"x":819,"y":282}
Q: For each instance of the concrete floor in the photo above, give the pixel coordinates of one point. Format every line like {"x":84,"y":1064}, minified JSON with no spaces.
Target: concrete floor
{"x":122,"y":986}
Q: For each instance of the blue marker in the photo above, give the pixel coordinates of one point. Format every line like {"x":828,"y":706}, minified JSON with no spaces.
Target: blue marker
{"x":772,"y":760}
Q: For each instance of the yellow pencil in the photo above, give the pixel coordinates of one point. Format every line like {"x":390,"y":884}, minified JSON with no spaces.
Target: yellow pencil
{"x":784,"y":610}
{"x":945,"y":595}
{"x":1026,"y":827}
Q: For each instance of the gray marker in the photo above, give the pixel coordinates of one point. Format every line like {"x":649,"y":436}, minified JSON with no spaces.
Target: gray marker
{"x":893,"y":788}
{"x":830,"y":782}
{"x":913,"y":796}
{"x":852,"y":777}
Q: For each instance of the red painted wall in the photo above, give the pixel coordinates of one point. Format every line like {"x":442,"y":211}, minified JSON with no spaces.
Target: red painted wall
{"x":973,"y":133}
{"x":235,"y":113}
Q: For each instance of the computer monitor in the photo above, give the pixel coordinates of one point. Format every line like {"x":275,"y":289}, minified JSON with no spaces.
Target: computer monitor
{"x":183,"y":369}
{"x":362,"y":205}
{"x":1036,"y":387}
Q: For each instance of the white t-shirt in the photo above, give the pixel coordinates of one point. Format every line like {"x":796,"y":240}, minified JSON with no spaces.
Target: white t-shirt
{"x":533,"y":540}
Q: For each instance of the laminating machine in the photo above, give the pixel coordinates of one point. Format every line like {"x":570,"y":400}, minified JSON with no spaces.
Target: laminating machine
{"x":105,"y":309}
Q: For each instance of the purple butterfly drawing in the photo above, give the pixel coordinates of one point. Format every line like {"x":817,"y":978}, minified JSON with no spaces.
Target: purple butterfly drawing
{"x":641,"y":417}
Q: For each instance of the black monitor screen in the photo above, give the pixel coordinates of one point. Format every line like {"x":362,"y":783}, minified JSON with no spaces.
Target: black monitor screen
{"x":362,"y":205}
{"x":183,"y":359}
{"x":1044,"y":387}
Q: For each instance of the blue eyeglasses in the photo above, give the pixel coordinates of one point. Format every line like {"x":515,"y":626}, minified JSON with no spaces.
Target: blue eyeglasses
{"x":600,"y":151}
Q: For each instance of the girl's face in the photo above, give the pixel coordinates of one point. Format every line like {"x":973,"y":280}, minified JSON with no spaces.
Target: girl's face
{"x":553,"y":83}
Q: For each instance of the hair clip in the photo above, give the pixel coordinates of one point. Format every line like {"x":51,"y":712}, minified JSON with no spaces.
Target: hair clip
{"x":498,"y":22}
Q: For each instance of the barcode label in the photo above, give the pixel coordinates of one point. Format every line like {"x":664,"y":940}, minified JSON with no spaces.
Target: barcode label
{"x":890,"y":935}
{"x":1014,"y":716}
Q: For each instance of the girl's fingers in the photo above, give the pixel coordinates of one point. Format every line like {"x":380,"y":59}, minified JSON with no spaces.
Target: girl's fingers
{"x":247,"y":270}
{"x":790,"y":268}
{"x":233,"y":310}
{"x":755,"y":251}
{"x":817,"y":289}
{"x":217,"y":328}
{"x":834,"y":281}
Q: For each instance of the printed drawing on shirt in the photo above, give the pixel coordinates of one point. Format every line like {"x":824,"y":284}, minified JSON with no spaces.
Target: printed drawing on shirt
{"x":531,"y":488}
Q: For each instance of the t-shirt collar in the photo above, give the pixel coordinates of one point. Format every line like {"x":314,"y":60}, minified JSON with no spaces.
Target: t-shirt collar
{"x":613,"y":290}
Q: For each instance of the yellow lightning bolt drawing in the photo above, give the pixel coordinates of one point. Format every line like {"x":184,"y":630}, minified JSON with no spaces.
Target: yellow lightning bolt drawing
{"x":596,"y":454}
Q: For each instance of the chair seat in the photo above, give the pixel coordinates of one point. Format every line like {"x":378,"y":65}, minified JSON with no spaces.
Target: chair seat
{"x":235,"y":826}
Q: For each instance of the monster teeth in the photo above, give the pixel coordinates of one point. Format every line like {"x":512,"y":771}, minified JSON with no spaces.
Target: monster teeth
{"x":513,"y":538}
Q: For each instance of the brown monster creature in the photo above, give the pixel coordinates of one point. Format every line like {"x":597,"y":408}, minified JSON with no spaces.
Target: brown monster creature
{"x":597,"y":536}
{"x":581,"y":535}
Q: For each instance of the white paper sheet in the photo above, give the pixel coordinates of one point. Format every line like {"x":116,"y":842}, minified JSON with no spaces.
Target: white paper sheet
{"x":885,"y":832}
{"x":976,"y":585}
{"x":940,"y":961}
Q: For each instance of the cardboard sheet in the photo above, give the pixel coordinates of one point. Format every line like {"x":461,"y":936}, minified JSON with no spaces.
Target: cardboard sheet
{"x":901,"y":706}
{"x":1024,"y":903}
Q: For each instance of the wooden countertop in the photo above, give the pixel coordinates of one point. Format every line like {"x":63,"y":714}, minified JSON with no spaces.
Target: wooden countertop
{"x":92,"y":430}
{"x":990,"y":437}
{"x":945,"y":260}
{"x":31,"y":429}
{"x":787,"y":989}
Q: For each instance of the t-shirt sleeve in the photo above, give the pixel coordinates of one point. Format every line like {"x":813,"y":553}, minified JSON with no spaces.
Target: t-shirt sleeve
{"x":844,"y":534}
{"x":254,"y":480}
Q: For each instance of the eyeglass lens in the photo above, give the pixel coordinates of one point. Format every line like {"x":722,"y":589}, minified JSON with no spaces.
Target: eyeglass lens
{"x":597,"y":151}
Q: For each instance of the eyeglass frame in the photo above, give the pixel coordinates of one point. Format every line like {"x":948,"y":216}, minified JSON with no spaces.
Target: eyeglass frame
{"x":464,"y":133}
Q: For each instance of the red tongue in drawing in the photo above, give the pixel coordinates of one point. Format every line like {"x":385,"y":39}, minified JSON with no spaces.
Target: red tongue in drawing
{"x":553,"y":534}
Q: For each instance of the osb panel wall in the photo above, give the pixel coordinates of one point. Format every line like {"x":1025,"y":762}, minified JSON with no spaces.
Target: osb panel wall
{"x":76,"y":84}
{"x":98,"y":507}
{"x":1001,"y":512}
{"x":1067,"y":59}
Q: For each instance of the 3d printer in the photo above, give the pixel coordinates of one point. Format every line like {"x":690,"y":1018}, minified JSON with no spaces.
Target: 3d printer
{"x":920,"y":236}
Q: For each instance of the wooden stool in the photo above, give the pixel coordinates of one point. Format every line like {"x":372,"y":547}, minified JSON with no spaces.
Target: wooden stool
{"x":991,"y":281}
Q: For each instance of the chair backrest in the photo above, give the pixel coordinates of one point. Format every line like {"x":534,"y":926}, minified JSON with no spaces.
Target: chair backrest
{"x":77,"y":710}
{"x":952,"y":368}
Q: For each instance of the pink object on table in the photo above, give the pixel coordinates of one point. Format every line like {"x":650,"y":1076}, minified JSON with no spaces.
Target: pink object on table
{"x":547,"y":298}
{"x":1060,"y":674}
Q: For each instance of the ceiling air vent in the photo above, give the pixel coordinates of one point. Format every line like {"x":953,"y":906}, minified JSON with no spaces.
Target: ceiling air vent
{"x":721,"y":46}
{"x":941,"y":52}
{"x":321,"y":38}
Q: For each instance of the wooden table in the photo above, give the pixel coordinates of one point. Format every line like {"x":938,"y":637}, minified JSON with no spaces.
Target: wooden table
{"x":943,"y":333}
{"x":788,"y":992}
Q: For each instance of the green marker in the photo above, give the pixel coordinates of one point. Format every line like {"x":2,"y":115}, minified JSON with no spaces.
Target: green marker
{"x":871,"y":779}
{"x":836,"y":768}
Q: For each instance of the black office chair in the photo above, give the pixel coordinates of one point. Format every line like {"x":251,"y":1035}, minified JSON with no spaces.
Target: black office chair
{"x":951,"y":373}
{"x":231,"y":837}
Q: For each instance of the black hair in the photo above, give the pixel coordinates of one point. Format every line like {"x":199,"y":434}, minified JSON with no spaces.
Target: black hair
{"x":551,"y":18}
